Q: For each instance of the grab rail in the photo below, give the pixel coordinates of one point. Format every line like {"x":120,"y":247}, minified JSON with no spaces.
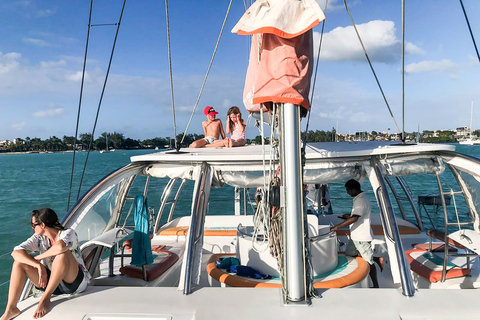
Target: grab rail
{"x":195,"y":230}
{"x":404,"y":185}
{"x":391,"y":231}
{"x":395,"y":194}
{"x":329,"y":234}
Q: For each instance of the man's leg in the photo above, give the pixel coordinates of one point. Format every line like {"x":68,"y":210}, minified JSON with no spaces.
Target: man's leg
{"x":351,"y":250}
{"x":19,"y":275}
{"x":373,"y":275}
{"x":366,"y":251}
{"x":64,"y":267}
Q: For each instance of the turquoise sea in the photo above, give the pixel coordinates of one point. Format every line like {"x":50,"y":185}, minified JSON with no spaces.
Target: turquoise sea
{"x":38,"y":180}
{"x":33,"y":181}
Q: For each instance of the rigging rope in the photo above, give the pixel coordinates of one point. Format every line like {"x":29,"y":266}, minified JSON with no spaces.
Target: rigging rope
{"x":371,"y":66}
{"x":171,"y":74}
{"x":208,"y":71}
{"x":79,"y":106}
{"x":101,"y":98}
{"x":309,"y":289}
{"x":315,"y":76}
{"x":470,"y":29}
{"x":5,"y":254}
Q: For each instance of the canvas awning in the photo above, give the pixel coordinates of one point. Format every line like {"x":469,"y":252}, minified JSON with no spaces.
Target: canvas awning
{"x":281,"y":57}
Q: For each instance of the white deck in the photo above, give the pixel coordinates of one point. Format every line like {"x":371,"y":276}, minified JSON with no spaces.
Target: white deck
{"x":209,"y":300}
{"x":230,"y":303}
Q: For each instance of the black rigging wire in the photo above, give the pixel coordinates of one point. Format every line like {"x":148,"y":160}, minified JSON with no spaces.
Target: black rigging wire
{"x":177,"y":147}
{"x":208,"y":71}
{"x":79,"y":105}
{"x":315,"y":77}
{"x":470,"y":29}
{"x":101,"y":98}
{"x":371,"y":66}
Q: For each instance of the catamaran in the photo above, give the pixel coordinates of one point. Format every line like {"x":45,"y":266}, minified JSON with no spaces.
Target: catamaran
{"x":468,"y":139}
{"x":261,"y":255}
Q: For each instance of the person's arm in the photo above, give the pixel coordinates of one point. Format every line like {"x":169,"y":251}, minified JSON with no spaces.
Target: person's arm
{"x":241,"y":125}
{"x":58,"y":248}
{"x":204,"y":126}
{"x":227,"y":126}
{"x":222,"y":133}
{"x":347,"y":222}
{"x":23,"y":257}
{"x":22,"y":254}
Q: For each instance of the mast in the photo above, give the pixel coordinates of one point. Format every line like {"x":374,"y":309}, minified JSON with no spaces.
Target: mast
{"x":292,"y":204}
{"x":287,"y":48}
{"x":471,"y":121}
{"x":403,"y":71}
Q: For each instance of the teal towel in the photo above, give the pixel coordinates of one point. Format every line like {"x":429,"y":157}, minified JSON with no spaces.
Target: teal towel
{"x":142,"y":246}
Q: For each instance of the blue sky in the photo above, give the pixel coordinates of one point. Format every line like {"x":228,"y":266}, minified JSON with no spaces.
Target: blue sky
{"x":42,"y":47}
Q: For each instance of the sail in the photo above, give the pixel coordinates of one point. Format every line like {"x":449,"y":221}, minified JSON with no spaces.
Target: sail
{"x":284,"y":18}
{"x":281,"y":56}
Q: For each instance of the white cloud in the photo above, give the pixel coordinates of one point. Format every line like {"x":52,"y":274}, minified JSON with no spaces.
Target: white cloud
{"x":45,"y":13}
{"x":9,"y":61}
{"x":77,"y":76}
{"x":333,"y":5}
{"x":36,"y":42}
{"x":53,"y":64}
{"x":444,"y":65}
{"x":19,"y":126}
{"x":379,"y":38}
{"x":50,"y":112}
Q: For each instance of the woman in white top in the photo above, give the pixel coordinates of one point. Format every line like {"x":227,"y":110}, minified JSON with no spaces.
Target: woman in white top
{"x":57,"y":269}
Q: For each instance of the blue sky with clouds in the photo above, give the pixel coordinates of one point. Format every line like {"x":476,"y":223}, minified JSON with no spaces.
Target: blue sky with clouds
{"x":43,"y":42}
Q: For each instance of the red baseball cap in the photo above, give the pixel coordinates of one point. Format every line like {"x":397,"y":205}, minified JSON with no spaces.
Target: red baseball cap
{"x":209,"y":110}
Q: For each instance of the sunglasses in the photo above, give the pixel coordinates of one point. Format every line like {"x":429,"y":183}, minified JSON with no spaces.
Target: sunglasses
{"x":35,"y":224}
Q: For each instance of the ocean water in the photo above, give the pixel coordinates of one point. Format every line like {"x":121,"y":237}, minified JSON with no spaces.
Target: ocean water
{"x":33,"y":181}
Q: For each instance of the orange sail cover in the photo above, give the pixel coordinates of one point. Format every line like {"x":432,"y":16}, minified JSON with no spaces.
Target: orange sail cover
{"x":281,"y":56}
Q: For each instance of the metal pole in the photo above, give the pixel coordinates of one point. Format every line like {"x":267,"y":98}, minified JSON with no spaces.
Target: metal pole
{"x":237,"y":201}
{"x":245,"y":190}
{"x":403,"y":71}
{"x":292,"y":183}
{"x":391,"y":231}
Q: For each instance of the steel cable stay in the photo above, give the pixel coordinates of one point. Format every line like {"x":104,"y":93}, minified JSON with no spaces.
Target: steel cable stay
{"x":101,"y":98}
{"x":207,"y":73}
{"x":315,"y":76}
{"x":167,"y":17}
{"x":1,"y":256}
{"x":310,"y":291}
{"x":371,"y":66}
{"x":470,"y":29}
{"x":80,"y":105}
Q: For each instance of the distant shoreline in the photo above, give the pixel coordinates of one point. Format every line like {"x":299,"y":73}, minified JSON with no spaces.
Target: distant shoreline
{"x":63,"y":151}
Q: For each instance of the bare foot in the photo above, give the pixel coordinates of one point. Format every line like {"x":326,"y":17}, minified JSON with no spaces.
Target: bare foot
{"x":42,"y":309}
{"x":10,"y":314}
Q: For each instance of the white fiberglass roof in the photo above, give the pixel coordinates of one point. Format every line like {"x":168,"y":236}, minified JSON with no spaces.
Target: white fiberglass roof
{"x":318,"y":150}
